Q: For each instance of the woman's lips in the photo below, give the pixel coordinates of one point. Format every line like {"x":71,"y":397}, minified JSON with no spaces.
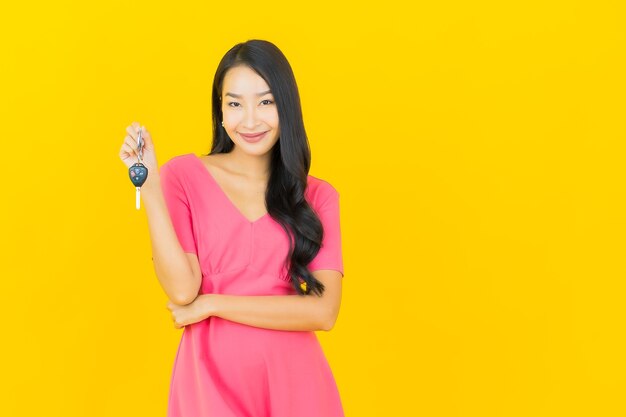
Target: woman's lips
{"x":253,"y":138}
{"x":252,"y":135}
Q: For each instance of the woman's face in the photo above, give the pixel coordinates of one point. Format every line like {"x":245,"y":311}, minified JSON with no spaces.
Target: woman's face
{"x":249,"y":108}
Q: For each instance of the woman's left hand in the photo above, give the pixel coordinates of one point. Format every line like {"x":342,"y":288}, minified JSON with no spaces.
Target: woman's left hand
{"x":197,"y":311}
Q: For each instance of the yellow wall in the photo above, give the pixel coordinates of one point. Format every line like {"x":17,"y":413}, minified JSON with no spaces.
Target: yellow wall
{"x":478,"y":148}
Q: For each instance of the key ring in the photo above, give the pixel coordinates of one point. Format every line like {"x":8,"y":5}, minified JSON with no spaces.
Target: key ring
{"x":140,"y":146}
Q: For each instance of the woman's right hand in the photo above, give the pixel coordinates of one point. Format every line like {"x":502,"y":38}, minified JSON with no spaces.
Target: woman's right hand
{"x":129,"y":153}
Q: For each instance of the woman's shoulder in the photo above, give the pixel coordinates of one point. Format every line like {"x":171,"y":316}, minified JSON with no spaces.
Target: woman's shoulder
{"x":319,"y":190}
{"x":177,"y":163}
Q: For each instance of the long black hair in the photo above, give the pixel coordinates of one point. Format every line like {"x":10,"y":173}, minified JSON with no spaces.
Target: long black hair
{"x":290,"y":156}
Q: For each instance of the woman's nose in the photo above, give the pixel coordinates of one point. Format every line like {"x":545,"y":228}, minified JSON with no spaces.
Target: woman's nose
{"x":250,"y":118}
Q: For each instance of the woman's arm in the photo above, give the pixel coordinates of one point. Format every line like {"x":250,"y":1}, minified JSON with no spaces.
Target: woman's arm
{"x":279,"y":312}
{"x":176,"y":273}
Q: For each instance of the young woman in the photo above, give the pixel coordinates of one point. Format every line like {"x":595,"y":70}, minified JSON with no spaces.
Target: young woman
{"x":247,"y":247}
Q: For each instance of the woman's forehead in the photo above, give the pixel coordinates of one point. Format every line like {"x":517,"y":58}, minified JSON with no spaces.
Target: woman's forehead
{"x":244,"y":81}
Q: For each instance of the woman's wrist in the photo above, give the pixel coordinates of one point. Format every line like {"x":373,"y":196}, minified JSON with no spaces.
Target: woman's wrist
{"x":151,"y":191}
{"x":152,"y":182}
{"x":209,"y":304}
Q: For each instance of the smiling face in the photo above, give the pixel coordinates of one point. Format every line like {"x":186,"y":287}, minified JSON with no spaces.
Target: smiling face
{"x":249,"y":108}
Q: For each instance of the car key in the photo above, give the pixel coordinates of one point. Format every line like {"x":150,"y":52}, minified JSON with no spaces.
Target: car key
{"x":138,"y":172}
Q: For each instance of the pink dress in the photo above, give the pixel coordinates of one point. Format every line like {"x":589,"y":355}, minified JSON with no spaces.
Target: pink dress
{"x":228,"y":369}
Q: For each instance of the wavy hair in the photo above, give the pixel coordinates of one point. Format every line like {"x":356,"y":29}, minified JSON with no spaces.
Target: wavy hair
{"x":290,"y":156}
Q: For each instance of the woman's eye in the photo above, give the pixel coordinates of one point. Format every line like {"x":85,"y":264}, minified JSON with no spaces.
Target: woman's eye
{"x":237,"y":104}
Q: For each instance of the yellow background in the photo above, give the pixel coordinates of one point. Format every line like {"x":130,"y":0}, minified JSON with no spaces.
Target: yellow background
{"x":478,"y":149}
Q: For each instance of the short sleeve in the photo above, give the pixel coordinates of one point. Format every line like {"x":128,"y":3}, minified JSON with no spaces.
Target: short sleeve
{"x":178,"y":207}
{"x":330,"y":254}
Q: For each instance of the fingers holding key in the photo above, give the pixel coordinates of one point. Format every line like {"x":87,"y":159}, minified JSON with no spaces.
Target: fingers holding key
{"x":129,"y":153}
{"x":133,"y":132}
{"x":130,"y":149}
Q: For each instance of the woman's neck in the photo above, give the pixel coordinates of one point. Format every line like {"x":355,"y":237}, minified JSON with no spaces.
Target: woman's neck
{"x":256,"y":167}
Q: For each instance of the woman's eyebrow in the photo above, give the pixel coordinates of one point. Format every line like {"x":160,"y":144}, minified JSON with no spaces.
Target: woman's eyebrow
{"x":262,"y":93}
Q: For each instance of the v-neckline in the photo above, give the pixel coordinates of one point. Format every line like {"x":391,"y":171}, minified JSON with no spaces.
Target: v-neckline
{"x":228,"y":200}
